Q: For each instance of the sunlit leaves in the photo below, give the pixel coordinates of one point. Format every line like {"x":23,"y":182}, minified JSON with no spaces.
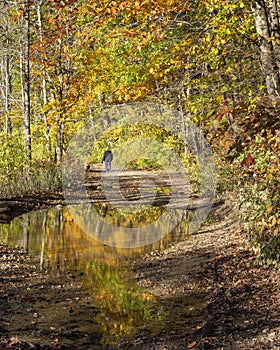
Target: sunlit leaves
{"x":108,"y":52}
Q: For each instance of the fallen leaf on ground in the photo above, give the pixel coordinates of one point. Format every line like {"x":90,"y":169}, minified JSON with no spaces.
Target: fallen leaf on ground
{"x":191,"y":345}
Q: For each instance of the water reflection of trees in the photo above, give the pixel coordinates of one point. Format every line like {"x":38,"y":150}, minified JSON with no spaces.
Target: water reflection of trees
{"x":139,"y":230}
{"x":123,"y":306}
{"x":63,"y":248}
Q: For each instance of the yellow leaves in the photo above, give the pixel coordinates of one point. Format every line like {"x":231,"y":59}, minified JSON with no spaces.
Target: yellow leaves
{"x":141,"y":91}
{"x":269,"y":208}
{"x":271,"y":171}
{"x":259,"y":139}
{"x":194,"y":49}
{"x":273,"y":221}
{"x":270,"y":175}
{"x":188,"y":66}
{"x":270,"y":39}
{"x":215,"y":51}
{"x":127,"y":7}
{"x":125,"y":95}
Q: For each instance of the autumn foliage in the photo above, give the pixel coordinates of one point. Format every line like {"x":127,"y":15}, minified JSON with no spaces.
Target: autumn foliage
{"x":203,"y":58}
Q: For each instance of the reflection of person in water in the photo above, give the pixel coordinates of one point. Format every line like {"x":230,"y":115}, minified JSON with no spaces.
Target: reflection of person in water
{"x":107,"y":159}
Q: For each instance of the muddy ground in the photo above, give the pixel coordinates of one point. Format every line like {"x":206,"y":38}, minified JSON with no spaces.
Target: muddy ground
{"x":211,"y":288}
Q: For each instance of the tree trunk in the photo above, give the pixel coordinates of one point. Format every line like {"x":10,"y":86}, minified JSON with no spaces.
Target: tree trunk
{"x":25,"y":238}
{"x":266,"y":13}
{"x":61,"y":92}
{"x":44,"y":81}
{"x":6,"y":85}
{"x":58,"y":139}
{"x":26,"y":83}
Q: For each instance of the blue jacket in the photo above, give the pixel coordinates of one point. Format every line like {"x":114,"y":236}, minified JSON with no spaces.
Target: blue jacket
{"x":108,"y":156}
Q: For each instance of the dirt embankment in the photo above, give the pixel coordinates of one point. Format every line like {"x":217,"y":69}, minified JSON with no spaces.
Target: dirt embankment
{"x":13,"y":207}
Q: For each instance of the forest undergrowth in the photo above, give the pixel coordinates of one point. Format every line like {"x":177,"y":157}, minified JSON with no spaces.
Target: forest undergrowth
{"x":249,"y":174}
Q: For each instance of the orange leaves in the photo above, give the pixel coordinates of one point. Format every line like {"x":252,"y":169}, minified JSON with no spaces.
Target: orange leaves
{"x":192,"y":345}
{"x":137,"y":5}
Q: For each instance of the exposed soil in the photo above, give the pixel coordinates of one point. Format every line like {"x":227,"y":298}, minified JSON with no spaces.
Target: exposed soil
{"x":40,"y":311}
{"x":13,"y":207}
{"x":213,"y":292}
{"x":217,"y":295}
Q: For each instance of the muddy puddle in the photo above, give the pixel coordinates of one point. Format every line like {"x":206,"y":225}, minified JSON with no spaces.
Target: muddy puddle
{"x":98,"y":244}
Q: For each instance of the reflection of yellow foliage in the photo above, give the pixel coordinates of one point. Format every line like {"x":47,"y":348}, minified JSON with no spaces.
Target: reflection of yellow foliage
{"x":55,"y":236}
{"x":124,"y":307}
{"x":119,"y":217}
{"x":117,"y":234}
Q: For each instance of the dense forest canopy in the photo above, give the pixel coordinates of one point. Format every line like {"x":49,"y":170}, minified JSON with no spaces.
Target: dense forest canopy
{"x":61,"y":61}
{"x":216,"y":61}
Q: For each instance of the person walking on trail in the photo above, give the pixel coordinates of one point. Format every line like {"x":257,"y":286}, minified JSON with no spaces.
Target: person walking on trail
{"x":107,"y":159}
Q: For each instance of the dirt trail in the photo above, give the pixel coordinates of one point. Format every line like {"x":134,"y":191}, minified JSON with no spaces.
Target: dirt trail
{"x":120,"y":187}
{"x":214,"y":295}
{"x":218,"y":297}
